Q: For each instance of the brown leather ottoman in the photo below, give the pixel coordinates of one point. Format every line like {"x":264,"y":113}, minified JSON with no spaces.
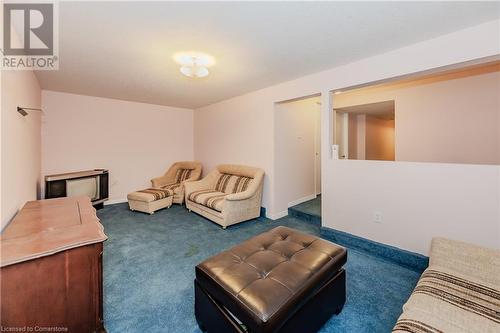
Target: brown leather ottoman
{"x":279,"y":281}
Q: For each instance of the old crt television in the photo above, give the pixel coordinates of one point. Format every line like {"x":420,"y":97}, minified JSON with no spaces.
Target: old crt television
{"x":90,"y":183}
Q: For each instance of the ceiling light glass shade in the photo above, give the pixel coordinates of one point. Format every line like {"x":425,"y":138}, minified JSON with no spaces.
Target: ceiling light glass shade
{"x":194,"y":64}
{"x":190,"y":71}
{"x":192,"y":58}
{"x":201,"y":71}
{"x":185,"y":59}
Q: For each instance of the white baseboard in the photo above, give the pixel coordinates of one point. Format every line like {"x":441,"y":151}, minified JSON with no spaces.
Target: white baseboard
{"x":115,"y":201}
{"x":301,"y":200}
{"x":276,"y":216}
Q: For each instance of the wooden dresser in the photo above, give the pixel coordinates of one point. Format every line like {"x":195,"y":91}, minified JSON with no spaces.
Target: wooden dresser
{"x":51,"y":267}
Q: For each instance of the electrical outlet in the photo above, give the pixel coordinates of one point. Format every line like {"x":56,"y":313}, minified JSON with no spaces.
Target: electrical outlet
{"x":377,"y":217}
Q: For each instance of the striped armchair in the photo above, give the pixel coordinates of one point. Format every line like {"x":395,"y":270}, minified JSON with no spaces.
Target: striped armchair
{"x":228,"y":195}
{"x":176,"y":176}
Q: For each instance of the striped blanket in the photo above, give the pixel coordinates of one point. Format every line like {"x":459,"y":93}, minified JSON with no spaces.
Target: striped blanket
{"x":445,"y":302}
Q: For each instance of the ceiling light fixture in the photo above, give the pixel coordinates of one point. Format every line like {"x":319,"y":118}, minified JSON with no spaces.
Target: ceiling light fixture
{"x":194,"y":64}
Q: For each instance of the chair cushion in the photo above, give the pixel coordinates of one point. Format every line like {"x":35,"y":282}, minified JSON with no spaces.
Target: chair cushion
{"x":228,"y":183}
{"x":176,"y":187}
{"x":182,"y":174}
{"x":209,"y":198}
{"x":150,"y":194}
{"x":271,"y":274}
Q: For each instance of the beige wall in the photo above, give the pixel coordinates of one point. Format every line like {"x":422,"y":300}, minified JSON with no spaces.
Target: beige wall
{"x":135,"y":141}
{"x":452,"y":121}
{"x":249,"y":123}
{"x":379,"y":139}
{"x":20,"y":142}
{"x":417,"y":201}
{"x":237,"y":131}
{"x":294,"y":152}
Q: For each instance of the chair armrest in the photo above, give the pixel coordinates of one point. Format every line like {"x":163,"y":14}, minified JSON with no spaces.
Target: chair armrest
{"x":240,"y":196}
{"x":191,"y":179}
{"x":204,"y":184}
{"x":161,"y":181}
{"x":190,"y":187}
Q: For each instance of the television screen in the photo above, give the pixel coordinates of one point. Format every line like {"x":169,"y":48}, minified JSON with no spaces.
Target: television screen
{"x":83,"y":186}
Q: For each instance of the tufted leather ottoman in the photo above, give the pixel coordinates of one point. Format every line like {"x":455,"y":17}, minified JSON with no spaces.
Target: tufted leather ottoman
{"x":279,"y":281}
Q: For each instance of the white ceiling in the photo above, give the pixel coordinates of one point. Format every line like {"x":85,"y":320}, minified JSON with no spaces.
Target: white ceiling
{"x":124,"y":50}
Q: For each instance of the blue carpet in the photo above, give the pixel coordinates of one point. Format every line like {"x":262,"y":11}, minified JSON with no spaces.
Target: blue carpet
{"x":149,"y":270}
{"x":311,"y":207}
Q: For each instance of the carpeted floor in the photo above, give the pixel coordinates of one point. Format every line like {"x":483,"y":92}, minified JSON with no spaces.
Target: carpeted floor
{"x":311,"y":207}
{"x":149,"y":270}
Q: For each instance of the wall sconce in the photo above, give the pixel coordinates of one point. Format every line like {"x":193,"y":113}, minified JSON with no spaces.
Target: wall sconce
{"x":24,"y":111}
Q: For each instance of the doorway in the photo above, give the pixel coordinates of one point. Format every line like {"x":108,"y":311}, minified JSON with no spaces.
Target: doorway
{"x":297,"y":151}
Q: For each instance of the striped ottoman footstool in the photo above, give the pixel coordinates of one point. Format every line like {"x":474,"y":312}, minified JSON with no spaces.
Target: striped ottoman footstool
{"x":150,"y":200}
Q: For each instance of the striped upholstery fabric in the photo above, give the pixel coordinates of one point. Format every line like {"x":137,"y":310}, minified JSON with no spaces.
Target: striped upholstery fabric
{"x":225,"y":185}
{"x":182,"y":174}
{"x":232,"y":184}
{"x":157,"y":193}
{"x":209,"y":198}
{"x":173,"y":186}
{"x":447,"y":301}
{"x":465,"y":294}
{"x":150,"y":194}
{"x":414,"y":326}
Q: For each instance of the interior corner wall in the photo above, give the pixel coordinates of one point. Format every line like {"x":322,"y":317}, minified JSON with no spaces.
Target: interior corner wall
{"x":20,"y":141}
{"x":379,"y":139}
{"x":134,"y":141}
{"x":241,"y":130}
{"x":237,"y":131}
